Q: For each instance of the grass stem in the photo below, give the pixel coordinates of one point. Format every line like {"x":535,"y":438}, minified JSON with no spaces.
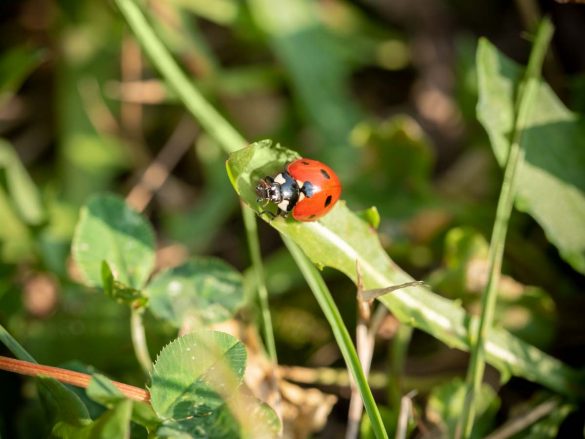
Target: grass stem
{"x":257,"y":266}
{"x":209,"y":118}
{"x":526,"y":93}
{"x":342,"y":337}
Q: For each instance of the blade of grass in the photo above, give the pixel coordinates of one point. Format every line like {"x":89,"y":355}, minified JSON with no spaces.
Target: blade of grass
{"x":255,"y":256}
{"x":342,"y":337}
{"x":70,"y":405}
{"x":209,"y":118}
{"x":526,"y":93}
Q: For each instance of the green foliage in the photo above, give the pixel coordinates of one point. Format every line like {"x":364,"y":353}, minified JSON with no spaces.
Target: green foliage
{"x":103,"y":391}
{"x":113,"y":423}
{"x":16,"y":64}
{"x":20,"y":206}
{"x":341,"y":238}
{"x":108,"y":230}
{"x":397,"y":164}
{"x":205,"y":290}
{"x":59,"y":401}
{"x":446,"y":403}
{"x":548,"y":426}
{"x":196,"y":389}
{"x":350,"y":86}
{"x":20,"y":186}
{"x":317,"y":72}
{"x":118,"y":291}
{"x":526,"y":311}
{"x":551,"y":184}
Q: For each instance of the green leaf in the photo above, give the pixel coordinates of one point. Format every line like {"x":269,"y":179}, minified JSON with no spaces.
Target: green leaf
{"x":340,"y":239}
{"x":525,"y":311}
{"x":253,"y":420}
{"x":318,"y":74}
{"x":114,"y":423}
{"x":60,"y":402}
{"x":108,"y":230}
{"x":193,"y":374}
{"x":16,"y":242}
{"x":196,"y":389}
{"x":548,"y":427}
{"x":21,"y":188}
{"x":551,"y":182}
{"x":15,"y":65}
{"x":120,"y":292}
{"x":446,"y":403}
{"x":102,"y":390}
{"x":205,"y":289}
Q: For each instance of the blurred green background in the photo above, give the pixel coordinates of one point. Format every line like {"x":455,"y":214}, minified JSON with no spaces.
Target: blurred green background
{"x":382,"y":91}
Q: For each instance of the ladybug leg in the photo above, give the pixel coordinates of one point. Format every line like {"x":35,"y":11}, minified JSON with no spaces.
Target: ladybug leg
{"x":270,"y":214}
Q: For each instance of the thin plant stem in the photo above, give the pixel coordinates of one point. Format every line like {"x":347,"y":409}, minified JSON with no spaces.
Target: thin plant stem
{"x":258,"y":267}
{"x":404,"y":414}
{"x":526,"y":94}
{"x":67,"y":376}
{"x":521,"y":422}
{"x":398,"y":352}
{"x":342,"y":337}
{"x":365,"y":350}
{"x":139,"y":340}
{"x":209,"y":118}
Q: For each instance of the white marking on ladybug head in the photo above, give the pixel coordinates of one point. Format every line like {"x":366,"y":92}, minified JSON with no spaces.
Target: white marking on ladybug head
{"x":283,"y":205}
{"x":280,"y":179}
{"x":301,"y":197}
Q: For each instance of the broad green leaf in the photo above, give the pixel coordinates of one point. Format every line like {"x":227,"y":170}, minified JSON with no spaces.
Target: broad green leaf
{"x":551,"y":182}
{"x":193,"y":379}
{"x":205,"y":289}
{"x":114,"y":423}
{"x":193,"y":373}
{"x":341,"y":239}
{"x":446,"y":403}
{"x":109,"y":230}
{"x":526,"y":311}
{"x":242,"y":416}
{"x":21,"y":188}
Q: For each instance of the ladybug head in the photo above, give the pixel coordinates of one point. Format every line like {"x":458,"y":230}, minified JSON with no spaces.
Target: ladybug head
{"x":268,"y":190}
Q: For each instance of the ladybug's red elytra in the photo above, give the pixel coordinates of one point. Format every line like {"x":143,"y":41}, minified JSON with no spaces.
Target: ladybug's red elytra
{"x":306,"y":188}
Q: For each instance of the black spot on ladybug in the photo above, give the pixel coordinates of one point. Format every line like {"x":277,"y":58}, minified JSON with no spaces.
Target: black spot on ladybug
{"x":325,"y":174}
{"x":308,"y":189}
{"x":305,"y":163}
{"x":312,"y":216}
{"x":328,"y":201}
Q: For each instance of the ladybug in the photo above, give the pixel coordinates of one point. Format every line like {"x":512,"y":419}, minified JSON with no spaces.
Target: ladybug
{"x":307,"y":188}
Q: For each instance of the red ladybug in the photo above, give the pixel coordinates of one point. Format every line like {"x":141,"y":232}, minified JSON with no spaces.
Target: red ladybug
{"x":307,"y":188}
